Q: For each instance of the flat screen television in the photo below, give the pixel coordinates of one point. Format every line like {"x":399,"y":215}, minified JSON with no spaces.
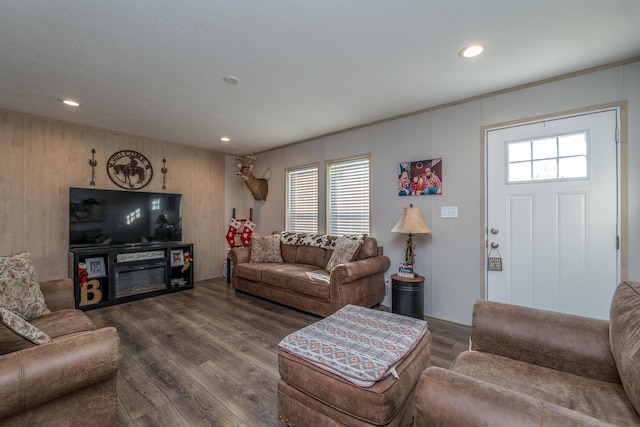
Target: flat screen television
{"x":114,"y":217}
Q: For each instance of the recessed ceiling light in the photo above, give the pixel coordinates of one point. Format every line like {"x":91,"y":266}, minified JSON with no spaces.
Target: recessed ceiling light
{"x":70,"y":103}
{"x":471,"y":51}
{"x":225,"y":139}
{"x":232,"y":80}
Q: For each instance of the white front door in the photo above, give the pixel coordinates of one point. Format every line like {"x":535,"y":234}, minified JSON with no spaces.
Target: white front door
{"x":552,"y":213}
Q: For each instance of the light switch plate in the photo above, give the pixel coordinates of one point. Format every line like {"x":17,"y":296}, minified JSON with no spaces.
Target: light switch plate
{"x":449,"y":212}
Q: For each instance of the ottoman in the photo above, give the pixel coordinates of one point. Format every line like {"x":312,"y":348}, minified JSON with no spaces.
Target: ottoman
{"x":357,"y":367}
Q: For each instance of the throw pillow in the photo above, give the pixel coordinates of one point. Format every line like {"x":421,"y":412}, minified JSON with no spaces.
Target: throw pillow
{"x":19,"y":288}
{"x":346,"y":247}
{"x":23,"y":328}
{"x":265,"y":248}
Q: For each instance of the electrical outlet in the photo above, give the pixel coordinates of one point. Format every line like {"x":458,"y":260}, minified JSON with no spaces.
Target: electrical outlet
{"x":449,"y":212}
{"x":387,"y":285}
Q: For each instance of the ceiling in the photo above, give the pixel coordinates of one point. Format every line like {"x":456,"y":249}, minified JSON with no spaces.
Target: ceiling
{"x":306,"y":68}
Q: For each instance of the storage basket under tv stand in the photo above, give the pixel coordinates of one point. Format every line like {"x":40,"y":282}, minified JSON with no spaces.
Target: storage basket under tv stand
{"x":122,"y":273}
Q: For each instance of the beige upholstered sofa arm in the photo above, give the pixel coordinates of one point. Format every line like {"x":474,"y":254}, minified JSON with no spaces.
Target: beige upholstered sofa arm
{"x":358,"y":282}
{"x":354,"y":270}
{"x":574,"y":344}
{"x":445,"y":398}
{"x":238,"y":256}
{"x":58,"y":294}
{"x":40,"y":374}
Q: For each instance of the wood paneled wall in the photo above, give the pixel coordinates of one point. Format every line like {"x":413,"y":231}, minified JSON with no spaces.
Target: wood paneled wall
{"x":41,"y":158}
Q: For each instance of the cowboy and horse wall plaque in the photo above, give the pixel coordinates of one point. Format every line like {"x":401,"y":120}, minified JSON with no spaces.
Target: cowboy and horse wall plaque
{"x":129,"y":169}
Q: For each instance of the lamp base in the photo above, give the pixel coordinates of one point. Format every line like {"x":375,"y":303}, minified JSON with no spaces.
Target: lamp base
{"x":409,"y":253}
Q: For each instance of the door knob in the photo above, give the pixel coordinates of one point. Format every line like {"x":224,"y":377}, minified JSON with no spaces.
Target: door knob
{"x":494,"y":245}
{"x":494,"y":230}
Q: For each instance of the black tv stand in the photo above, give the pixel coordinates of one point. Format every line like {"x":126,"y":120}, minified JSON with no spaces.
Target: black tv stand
{"x":112,"y":274}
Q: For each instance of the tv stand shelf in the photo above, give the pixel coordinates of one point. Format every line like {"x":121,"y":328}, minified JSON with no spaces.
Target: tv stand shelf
{"x":107,"y":275}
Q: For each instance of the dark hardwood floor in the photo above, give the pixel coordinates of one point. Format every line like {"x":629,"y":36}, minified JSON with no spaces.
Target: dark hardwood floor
{"x":208,"y":357}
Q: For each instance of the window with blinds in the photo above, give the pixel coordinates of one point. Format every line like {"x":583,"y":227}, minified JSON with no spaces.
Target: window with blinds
{"x":348,"y":196}
{"x":302,"y":200}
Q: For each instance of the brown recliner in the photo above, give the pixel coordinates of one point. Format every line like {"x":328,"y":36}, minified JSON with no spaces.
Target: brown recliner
{"x":68,"y":382}
{"x":529,"y":367}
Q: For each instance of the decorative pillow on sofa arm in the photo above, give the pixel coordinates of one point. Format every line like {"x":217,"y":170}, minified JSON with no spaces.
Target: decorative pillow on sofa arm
{"x":23,"y":328}
{"x":346,"y":247}
{"x":265,"y":248}
{"x":19,"y":287}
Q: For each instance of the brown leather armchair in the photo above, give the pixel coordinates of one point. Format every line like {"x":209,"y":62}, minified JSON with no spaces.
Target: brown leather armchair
{"x":530,"y":367}
{"x":68,"y":382}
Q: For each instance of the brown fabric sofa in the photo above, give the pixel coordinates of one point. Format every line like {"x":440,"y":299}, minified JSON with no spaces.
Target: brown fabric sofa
{"x":68,"y":382}
{"x":530,"y":367}
{"x":302,"y":281}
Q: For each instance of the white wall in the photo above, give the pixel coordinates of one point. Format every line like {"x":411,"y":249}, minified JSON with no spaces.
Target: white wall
{"x":449,"y":258}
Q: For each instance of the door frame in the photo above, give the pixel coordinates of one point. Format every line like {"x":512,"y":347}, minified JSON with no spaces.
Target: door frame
{"x":623,"y":181}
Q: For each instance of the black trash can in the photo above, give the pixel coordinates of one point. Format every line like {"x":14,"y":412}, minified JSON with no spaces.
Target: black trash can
{"x":407,"y":296}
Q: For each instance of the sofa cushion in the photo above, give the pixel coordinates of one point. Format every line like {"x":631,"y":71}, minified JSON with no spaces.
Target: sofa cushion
{"x":302,"y":278}
{"x":265,"y":249}
{"x":288,"y":252}
{"x":624,"y":337}
{"x":344,"y":251}
{"x":278,"y":277}
{"x":599,"y":399}
{"x":55,"y":324}
{"x":23,"y":328}
{"x":64,"y":322}
{"x":314,"y":283}
{"x":252,"y":271}
{"x":327,"y":256}
{"x":19,"y":288}
{"x":310,"y":255}
{"x":297,"y":247}
{"x":368,"y":249}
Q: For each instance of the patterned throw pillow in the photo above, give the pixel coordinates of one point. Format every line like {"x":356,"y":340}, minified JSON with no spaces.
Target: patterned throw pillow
{"x":346,"y":247}
{"x":23,"y":328}
{"x":19,"y":288}
{"x":265,"y":249}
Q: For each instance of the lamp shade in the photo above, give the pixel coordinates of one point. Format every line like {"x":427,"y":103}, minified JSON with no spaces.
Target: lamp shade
{"x":411,"y":222}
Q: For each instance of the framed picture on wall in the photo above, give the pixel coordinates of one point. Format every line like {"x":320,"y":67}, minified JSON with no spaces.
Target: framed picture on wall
{"x":95,"y":267}
{"x":421,"y":178}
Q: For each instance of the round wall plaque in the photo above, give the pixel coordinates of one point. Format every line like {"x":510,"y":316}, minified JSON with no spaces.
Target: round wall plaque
{"x":129,"y":169}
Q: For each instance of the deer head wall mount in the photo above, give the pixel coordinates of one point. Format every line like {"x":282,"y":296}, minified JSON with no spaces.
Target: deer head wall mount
{"x":258,"y":186}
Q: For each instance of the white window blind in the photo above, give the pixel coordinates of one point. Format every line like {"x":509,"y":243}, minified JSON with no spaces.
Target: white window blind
{"x":302,"y":200}
{"x":348,"y":198}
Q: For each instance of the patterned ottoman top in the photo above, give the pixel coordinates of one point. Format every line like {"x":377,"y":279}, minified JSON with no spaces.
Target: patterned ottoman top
{"x":356,"y":343}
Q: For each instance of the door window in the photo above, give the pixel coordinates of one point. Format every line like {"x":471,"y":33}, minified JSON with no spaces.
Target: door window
{"x":555,"y":158}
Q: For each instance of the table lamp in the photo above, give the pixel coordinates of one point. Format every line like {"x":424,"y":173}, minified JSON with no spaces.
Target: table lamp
{"x":411,"y":223}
